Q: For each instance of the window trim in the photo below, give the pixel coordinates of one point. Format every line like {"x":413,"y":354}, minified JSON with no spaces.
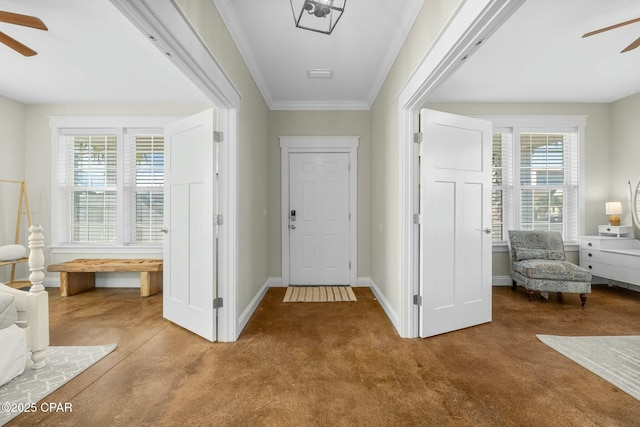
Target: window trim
{"x":549,"y":123}
{"x":82,"y":124}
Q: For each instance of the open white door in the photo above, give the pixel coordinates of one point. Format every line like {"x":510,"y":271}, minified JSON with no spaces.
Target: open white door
{"x":455,"y":233}
{"x":190,"y":206}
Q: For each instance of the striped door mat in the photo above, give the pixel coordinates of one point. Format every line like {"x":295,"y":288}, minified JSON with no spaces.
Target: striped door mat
{"x":319,"y":294}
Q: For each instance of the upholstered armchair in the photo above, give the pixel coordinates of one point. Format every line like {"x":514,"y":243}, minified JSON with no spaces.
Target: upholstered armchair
{"x":538,"y":264}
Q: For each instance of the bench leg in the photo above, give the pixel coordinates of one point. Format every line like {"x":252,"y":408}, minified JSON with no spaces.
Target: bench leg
{"x":74,"y":283}
{"x":150,"y":283}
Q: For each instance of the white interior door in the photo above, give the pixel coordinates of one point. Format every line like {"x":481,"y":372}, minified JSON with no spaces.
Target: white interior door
{"x":319,"y":218}
{"x":190,"y":207}
{"x":455,"y":234}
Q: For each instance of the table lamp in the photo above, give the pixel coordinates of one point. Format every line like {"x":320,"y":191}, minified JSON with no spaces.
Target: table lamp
{"x":614,"y":209}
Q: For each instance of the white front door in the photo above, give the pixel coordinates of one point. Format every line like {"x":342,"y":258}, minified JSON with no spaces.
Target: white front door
{"x":190,"y":207}
{"x":319,"y":218}
{"x":455,"y":239}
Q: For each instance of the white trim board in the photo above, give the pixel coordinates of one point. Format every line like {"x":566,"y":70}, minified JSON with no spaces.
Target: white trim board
{"x":325,"y":144}
{"x":253,"y":306}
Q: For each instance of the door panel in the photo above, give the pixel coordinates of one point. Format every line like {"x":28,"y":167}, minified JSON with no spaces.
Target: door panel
{"x":319,"y":235}
{"x":190,"y":205}
{"x":455,"y":203}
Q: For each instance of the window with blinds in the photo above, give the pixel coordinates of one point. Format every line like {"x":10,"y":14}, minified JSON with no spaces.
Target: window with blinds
{"x":110,"y":186}
{"x":144,"y":182}
{"x":502,"y":181}
{"x":545,"y":195}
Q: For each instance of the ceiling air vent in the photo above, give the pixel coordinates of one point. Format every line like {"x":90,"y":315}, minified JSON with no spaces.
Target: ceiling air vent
{"x":319,"y":74}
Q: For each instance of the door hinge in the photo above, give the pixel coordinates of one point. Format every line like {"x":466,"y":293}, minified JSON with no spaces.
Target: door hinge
{"x":217,"y":302}
{"x":218,"y":136}
{"x":349,"y":265}
{"x":417,"y":137}
{"x":219,"y":219}
{"x":417,"y":218}
{"x":417,"y":300}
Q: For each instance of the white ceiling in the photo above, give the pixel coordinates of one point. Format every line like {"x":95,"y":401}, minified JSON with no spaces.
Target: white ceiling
{"x":91,"y":53}
{"x":360,"y":51}
{"x":539,"y":55}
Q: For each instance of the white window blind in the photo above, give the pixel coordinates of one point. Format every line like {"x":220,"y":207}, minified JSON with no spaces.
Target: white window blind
{"x":502,"y":180}
{"x":144,"y":181}
{"x":536,"y":180}
{"x":89,"y":177}
{"x":109,"y":186}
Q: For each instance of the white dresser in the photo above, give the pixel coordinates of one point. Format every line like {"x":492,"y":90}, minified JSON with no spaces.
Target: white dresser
{"x":615,"y":258}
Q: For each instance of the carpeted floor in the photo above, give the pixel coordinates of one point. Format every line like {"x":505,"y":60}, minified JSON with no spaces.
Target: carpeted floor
{"x":614,"y":358}
{"x":63,"y":363}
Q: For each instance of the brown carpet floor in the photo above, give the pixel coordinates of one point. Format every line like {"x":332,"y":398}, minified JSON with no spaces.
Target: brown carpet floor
{"x":338,"y":364}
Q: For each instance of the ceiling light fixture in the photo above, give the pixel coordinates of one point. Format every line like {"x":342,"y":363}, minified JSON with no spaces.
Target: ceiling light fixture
{"x":320,"y":16}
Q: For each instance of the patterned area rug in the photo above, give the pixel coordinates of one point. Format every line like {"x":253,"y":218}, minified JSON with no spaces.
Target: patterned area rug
{"x":63,"y":363}
{"x":615,"y":359}
{"x":319,"y":294}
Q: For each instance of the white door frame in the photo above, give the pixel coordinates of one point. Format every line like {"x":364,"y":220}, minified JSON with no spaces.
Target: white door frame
{"x":175,"y":37}
{"x":473,"y":23}
{"x":320,"y":144}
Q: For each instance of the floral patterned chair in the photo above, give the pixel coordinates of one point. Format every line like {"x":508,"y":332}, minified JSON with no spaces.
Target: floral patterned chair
{"x":538,"y":264}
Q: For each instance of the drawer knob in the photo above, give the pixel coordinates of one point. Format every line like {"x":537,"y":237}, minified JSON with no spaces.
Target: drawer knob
{"x":590,"y":267}
{"x":608,"y":229}
{"x":590,"y":254}
{"x":589,"y":244}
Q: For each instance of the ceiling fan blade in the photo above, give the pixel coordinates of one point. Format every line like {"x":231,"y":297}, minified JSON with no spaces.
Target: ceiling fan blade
{"x":602,"y":30}
{"x":24,"y":20}
{"x":16,"y":45}
{"x":632,"y":46}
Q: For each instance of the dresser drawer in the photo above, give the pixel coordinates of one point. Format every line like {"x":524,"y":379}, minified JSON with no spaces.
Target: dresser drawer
{"x":595,"y":242}
{"x":607,"y":271}
{"x":612,"y":258}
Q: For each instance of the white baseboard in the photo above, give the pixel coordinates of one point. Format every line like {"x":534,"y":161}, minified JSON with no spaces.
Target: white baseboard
{"x":255,"y":302}
{"x":364,"y":282}
{"x":501,"y":280}
{"x":275,"y":282}
{"x":391,"y":314}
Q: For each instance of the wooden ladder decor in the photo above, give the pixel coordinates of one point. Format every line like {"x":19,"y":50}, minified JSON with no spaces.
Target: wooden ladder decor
{"x":23,"y":202}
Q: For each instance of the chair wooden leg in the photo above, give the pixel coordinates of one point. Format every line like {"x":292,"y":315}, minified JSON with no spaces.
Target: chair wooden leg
{"x":513,"y":285}
{"x":583,"y":299}
{"x":530,"y":295}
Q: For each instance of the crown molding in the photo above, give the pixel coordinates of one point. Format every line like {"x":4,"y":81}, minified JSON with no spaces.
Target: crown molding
{"x":230,"y":19}
{"x":320,"y":105}
{"x":399,"y":38}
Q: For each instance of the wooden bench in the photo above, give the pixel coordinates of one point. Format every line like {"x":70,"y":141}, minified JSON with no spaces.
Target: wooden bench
{"x":79,"y":275}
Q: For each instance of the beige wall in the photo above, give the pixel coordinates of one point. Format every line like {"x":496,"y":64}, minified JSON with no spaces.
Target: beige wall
{"x":253,"y":150}
{"x":386,"y":232}
{"x":625,"y":149}
{"x":12,"y":160}
{"x":320,"y":123}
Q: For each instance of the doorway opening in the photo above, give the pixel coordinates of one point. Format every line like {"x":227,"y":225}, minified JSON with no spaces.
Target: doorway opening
{"x":319,"y":210}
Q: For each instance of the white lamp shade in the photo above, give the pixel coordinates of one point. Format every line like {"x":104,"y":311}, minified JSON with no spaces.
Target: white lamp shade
{"x":614,"y":208}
